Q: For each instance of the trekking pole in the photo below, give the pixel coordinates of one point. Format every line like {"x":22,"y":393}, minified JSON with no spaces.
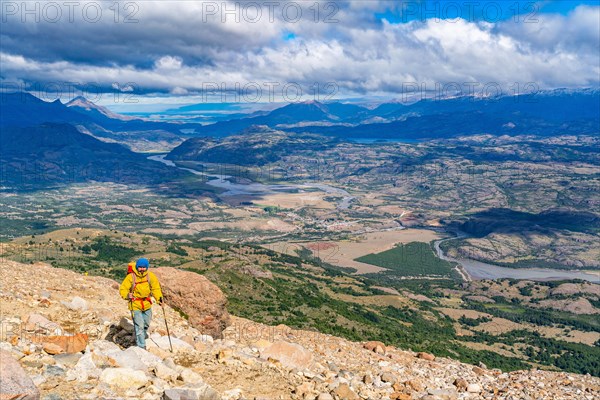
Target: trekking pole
{"x":132,"y":320}
{"x":167,"y":325}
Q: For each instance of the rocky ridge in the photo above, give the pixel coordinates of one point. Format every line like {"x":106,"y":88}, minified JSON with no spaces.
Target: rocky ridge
{"x":68,"y":336}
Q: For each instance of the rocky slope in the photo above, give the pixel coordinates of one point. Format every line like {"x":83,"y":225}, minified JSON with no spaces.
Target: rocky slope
{"x":66,"y":336}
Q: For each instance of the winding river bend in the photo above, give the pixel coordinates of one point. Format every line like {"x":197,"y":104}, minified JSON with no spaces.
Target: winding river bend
{"x":257,"y":189}
{"x":482,"y":270}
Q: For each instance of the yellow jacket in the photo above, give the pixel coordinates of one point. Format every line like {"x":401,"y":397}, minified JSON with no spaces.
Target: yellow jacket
{"x":145,"y":285}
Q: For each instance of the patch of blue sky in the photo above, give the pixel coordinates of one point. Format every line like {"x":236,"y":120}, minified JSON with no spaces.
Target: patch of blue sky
{"x":287,"y":36}
{"x":477,"y":10}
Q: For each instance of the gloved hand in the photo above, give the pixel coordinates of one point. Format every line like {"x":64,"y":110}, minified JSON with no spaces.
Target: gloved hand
{"x":130,"y":296}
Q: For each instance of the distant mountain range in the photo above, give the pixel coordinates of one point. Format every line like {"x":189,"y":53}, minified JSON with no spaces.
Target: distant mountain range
{"x":56,"y":135}
{"x":120,"y":123}
{"x":546,"y":113}
{"x":21,"y":110}
{"x":24,"y":110}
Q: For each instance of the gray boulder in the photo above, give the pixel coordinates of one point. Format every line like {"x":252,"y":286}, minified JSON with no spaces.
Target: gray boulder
{"x":15,"y":382}
{"x":76,"y":304}
{"x":124,"y":378}
{"x":84,"y":369}
{"x":200,"y":391}
{"x":135,"y":358}
{"x":162,"y":342}
{"x":68,"y":360}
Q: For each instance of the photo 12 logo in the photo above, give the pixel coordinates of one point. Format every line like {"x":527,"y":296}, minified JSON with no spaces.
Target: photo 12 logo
{"x":115,"y":92}
{"x":253,"y":12}
{"x":267,"y":92}
{"x":125,"y":12}
{"x":128,"y":12}
{"x":471,"y":11}
{"x":440,"y":91}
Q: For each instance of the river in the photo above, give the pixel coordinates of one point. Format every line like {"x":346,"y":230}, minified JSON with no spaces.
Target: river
{"x":481,"y":270}
{"x":474,"y":269}
{"x":257,"y":189}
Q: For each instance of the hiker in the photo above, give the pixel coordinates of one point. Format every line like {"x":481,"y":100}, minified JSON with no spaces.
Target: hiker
{"x":137,"y":288}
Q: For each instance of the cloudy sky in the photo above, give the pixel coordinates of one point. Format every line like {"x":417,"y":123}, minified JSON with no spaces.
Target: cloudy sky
{"x":179,"y":51}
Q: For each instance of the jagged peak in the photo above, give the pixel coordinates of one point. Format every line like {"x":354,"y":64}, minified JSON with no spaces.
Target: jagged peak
{"x":87,"y":105}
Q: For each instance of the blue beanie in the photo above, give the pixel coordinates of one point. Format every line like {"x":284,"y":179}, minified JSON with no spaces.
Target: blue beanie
{"x":142,"y":262}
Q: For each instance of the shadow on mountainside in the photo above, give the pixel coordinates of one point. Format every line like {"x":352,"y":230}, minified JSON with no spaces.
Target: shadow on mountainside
{"x":505,"y":220}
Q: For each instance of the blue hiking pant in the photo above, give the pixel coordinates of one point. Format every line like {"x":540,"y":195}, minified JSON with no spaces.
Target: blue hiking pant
{"x":141,"y":323}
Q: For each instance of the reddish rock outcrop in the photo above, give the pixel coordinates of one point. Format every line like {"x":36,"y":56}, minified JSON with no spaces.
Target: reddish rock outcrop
{"x":63,"y":344}
{"x":200,"y":299}
{"x":426,"y":356}
{"x":374,"y":346}
{"x":290,"y":355}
